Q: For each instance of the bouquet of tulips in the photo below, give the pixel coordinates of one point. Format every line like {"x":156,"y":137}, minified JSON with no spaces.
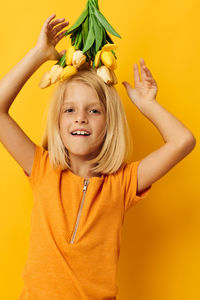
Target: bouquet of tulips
{"x":91,"y":45}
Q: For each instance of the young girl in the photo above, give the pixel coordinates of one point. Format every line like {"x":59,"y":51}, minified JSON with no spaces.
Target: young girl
{"x":82,"y":184}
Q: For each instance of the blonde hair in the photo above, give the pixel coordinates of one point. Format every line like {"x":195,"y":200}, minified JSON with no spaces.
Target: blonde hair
{"x":117,"y":144}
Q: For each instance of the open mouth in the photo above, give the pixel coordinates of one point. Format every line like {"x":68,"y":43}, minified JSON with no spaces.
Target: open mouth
{"x":80,"y":135}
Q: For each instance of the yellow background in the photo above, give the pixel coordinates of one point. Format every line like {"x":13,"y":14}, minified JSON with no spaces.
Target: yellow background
{"x":159,"y":258}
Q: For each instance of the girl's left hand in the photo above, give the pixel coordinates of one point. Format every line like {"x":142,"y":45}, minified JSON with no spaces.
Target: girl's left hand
{"x":145,"y":90}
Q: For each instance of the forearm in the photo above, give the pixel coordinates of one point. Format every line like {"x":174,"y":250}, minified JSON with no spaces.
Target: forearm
{"x":171,"y":129}
{"x":14,"y":80}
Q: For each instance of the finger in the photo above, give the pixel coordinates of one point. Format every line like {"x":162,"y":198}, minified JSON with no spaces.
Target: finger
{"x":59,"y":27}
{"x":49,"y":18}
{"x":59,"y":36}
{"x":149,"y":73}
{"x":55,"y":22}
{"x":128,"y":87}
{"x":150,"y":81}
{"x":46,"y":23}
{"x":143,"y":70}
{"x":136,"y":73}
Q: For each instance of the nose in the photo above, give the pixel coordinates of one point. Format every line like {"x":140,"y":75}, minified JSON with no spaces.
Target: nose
{"x":81,"y":117}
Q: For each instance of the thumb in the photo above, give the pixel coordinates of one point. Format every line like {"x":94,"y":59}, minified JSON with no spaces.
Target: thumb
{"x":129,"y":89}
{"x":127,"y":86}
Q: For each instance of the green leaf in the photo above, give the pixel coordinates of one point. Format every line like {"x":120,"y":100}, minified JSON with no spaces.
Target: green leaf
{"x":90,"y":37}
{"x":104,"y":38}
{"x":100,"y":63}
{"x":89,"y":54}
{"x":93,"y":64}
{"x":79,"y":21}
{"x":73,"y":38}
{"x":98,"y":32}
{"x":95,"y":2}
{"x":108,"y":38}
{"x":104,"y":22}
{"x":79,"y":41}
{"x":77,"y":38}
{"x":93,"y":54}
{"x":62,"y":61}
{"x":92,"y":49}
{"x":85,"y":30}
{"x":114,"y":54}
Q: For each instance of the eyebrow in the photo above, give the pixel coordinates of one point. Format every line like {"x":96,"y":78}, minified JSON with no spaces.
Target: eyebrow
{"x":70,"y":102}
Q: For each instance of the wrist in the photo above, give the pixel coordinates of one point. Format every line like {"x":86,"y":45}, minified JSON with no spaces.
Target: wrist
{"x":146,"y":105}
{"x":39,"y":54}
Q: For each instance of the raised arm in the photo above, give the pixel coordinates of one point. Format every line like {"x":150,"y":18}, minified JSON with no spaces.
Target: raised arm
{"x":179,"y":140}
{"x":18,"y":144}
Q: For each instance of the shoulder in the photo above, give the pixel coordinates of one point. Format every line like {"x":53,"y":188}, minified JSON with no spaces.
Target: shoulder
{"x":40,"y":164}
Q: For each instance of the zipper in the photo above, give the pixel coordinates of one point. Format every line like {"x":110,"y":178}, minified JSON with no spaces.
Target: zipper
{"x":86,"y":182}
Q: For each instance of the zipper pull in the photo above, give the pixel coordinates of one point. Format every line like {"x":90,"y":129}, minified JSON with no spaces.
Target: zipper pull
{"x":86,"y":182}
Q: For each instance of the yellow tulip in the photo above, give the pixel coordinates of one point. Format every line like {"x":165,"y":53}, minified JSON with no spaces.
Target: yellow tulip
{"x":56,"y":75}
{"x":105,"y":74}
{"x":114,"y":65}
{"x":114,"y":78}
{"x":45,"y":81}
{"x":53,"y":69}
{"x":51,"y":76}
{"x":109,"y":47}
{"x":69,"y":55}
{"x":78,"y":58}
{"x":107,"y":57}
{"x":97,"y":58}
{"x":67,"y":72}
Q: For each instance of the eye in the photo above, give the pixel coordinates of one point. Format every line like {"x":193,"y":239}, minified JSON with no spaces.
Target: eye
{"x":67,"y":110}
{"x":95,"y":110}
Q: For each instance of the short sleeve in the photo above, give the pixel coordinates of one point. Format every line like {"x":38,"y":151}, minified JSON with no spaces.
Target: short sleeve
{"x":39,"y":165}
{"x":129,"y":184}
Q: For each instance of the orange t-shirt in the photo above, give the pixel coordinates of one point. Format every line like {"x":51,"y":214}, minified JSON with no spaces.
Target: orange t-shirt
{"x":75,"y":235}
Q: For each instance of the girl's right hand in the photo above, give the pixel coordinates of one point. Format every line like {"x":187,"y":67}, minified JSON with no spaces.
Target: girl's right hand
{"x":48,"y":39}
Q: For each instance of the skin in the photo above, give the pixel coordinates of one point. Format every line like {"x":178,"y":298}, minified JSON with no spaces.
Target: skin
{"x":179,"y":140}
{"x":82,"y":114}
{"x":49,"y":37}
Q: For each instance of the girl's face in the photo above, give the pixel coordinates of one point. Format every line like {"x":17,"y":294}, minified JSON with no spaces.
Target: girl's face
{"x":82,"y":109}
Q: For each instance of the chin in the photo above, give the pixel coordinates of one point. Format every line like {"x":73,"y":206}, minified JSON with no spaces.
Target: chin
{"x":89,"y":153}
{"x":80,"y":152}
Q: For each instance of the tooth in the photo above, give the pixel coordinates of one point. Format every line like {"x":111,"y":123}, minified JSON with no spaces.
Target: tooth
{"x":80,"y":133}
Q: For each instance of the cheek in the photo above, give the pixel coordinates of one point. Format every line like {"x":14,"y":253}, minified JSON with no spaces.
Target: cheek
{"x":100,"y":126}
{"x":64,"y":122}
{"x":63,"y":128}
